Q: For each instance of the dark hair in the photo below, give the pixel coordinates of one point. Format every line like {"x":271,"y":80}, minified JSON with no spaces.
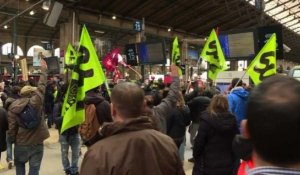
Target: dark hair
{"x":274,"y":120}
{"x":234,"y":81}
{"x":15,"y":89}
{"x":128,"y":99}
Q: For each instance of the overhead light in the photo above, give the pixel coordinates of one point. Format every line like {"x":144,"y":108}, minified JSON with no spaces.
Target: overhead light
{"x":17,"y":57}
{"x":5,"y":27}
{"x":114,"y":17}
{"x":99,"y":31}
{"x":45,"y":41}
{"x":31,"y":13}
{"x":169,"y":29}
{"x":46,"y":5}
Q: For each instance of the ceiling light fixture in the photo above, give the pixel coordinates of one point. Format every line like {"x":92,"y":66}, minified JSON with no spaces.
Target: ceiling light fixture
{"x":169,"y":29}
{"x":31,"y":13}
{"x":114,"y":17}
{"x":99,"y":31}
{"x":46,"y":5}
{"x":5,"y":27}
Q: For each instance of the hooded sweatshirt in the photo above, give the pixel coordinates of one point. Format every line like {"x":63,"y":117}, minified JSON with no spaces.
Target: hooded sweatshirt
{"x":102,"y":106}
{"x":213,"y":144}
{"x":237,"y":103}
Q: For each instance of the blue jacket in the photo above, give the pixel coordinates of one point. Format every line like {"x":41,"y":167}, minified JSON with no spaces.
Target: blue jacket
{"x":237,"y":103}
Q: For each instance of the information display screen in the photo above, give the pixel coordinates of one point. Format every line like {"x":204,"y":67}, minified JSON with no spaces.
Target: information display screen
{"x":238,"y":45}
{"x":152,"y":53}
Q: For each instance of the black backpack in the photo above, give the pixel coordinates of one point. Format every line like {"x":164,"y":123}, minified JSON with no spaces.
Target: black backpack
{"x":29,"y":118}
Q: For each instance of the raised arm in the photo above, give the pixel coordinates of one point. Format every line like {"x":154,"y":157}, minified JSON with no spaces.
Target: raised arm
{"x":163,"y":110}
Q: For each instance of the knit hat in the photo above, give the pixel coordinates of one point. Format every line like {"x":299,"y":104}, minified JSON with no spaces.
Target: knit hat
{"x":26,"y":90}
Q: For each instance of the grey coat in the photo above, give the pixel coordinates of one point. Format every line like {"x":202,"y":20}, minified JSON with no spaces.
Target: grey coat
{"x":164,"y":109}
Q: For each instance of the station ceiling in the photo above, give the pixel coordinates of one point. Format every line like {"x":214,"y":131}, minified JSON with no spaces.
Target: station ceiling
{"x":189,"y":17}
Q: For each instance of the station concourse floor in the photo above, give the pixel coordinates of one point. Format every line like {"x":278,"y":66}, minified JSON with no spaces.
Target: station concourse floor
{"x":51,"y":163}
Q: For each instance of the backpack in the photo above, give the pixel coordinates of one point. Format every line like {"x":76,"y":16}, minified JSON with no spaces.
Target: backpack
{"x":29,"y":118}
{"x":90,"y":126}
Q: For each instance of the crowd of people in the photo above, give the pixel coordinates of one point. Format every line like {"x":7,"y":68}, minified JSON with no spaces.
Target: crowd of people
{"x":141,"y":128}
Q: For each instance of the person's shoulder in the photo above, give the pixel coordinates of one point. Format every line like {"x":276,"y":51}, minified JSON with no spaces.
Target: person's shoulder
{"x":151,"y":135}
{"x":144,"y":137}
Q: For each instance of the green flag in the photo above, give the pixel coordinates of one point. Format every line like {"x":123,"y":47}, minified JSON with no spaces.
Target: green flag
{"x":264,"y":64}
{"x":176,"y":54}
{"x":69,"y":56}
{"x":213,"y":54}
{"x":86,"y":75}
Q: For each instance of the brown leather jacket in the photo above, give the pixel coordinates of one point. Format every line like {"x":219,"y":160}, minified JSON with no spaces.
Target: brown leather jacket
{"x":132,"y":147}
{"x":22,"y":136}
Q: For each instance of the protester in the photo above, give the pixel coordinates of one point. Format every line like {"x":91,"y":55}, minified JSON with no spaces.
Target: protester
{"x":15,"y":94}
{"x":177,"y":123}
{"x":273,"y":126}
{"x":3,"y":129}
{"x":49,"y":102}
{"x":69,"y":138}
{"x":164,"y":108}
{"x":237,"y":99}
{"x":213,"y":144}
{"x":197,"y":104}
{"x":130,"y":145}
{"x":102,"y":111}
{"x":28,"y":142}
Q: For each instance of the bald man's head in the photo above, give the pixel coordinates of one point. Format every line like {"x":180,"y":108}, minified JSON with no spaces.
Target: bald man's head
{"x":128,"y":99}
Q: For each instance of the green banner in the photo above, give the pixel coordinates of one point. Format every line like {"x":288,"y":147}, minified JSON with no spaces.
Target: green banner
{"x":86,"y":75}
{"x":176,"y":55}
{"x":264,"y":64}
{"x":213,"y":54}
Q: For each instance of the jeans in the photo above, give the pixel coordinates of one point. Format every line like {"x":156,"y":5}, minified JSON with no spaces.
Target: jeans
{"x":72,"y":141}
{"x":181,"y":150}
{"x":33,"y":154}
{"x":49,"y":120}
{"x":9,"y":155}
{"x":193,"y":132}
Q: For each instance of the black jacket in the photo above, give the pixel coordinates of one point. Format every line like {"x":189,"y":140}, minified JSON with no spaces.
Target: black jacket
{"x":176,"y":124}
{"x":3,"y":128}
{"x":49,"y":99}
{"x":213,"y":144}
{"x":58,"y":119}
{"x":102,"y":106}
{"x":197,"y":105}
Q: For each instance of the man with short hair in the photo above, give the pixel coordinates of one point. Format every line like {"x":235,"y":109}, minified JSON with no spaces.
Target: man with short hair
{"x":130,"y":145}
{"x":273,"y":126}
{"x":28,"y":142}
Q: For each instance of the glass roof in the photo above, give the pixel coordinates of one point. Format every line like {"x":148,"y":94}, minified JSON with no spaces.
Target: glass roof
{"x":284,"y":11}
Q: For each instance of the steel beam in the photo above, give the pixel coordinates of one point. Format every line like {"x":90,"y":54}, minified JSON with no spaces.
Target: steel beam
{"x":278,"y":5}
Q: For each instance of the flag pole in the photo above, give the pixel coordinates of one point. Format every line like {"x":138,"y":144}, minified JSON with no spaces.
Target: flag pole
{"x":244,"y":73}
{"x":135,"y":71}
{"x":241,"y":78}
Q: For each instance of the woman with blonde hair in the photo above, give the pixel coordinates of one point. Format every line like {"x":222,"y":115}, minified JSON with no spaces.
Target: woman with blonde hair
{"x":213,"y":144}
